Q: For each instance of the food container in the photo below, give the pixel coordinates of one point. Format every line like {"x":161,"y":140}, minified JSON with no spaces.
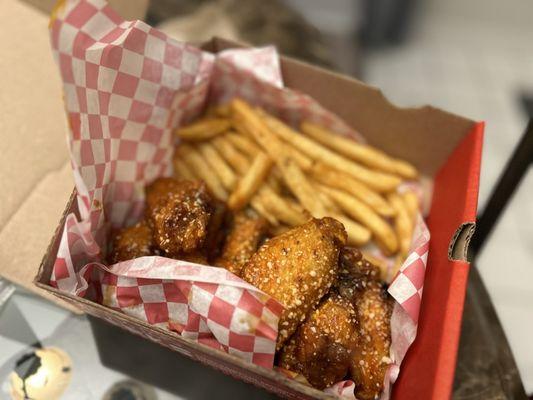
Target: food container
{"x":447,"y":150}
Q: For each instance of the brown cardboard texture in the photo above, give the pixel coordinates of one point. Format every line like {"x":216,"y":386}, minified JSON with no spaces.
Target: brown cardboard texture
{"x":36,"y":178}
{"x":449,"y":143}
{"x":36,"y":173}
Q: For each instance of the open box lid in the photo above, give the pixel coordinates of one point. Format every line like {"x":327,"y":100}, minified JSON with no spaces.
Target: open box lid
{"x":36,"y":177}
{"x":429,"y":366}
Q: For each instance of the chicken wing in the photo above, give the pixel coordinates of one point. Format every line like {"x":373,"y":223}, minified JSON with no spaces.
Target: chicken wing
{"x":355,"y":273}
{"x":179,"y":212}
{"x":197,"y":257}
{"x":371,"y":357}
{"x":157,"y":194}
{"x":133,"y":242}
{"x":322,"y":347}
{"x":297,"y":268}
{"x":358,"y":282}
{"x":242,"y":242}
{"x":216,"y":231}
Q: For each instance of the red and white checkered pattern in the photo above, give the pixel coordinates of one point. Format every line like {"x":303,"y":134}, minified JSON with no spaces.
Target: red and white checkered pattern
{"x":206,"y":304}
{"x":407,"y":286}
{"x":126,"y":87}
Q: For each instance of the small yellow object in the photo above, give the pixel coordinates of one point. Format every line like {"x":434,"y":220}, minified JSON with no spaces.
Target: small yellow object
{"x":42,"y":375}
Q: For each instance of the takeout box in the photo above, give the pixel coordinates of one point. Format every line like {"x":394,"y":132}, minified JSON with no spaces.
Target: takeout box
{"x":445,"y":148}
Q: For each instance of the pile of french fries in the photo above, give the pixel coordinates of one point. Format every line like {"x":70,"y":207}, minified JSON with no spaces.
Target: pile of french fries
{"x":249,"y":158}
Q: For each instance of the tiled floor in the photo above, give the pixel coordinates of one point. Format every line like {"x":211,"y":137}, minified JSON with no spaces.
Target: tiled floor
{"x":475,"y":62}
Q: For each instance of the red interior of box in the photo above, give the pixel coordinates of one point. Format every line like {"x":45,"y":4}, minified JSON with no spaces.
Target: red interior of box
{"x":428,"y":369}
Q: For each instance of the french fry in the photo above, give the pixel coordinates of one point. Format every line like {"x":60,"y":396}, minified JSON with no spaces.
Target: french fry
{"x":383,"y":234}
{"x":283,"y":210}
{"x":241,"y":164}
{"x":243,"y":143}
{"x":240,"y":127}
{"x":237,"y":160}
{"x":382,"y":182}
{"x":259,"y":207}
{"x":292,"y":174}
{"x":247,"y":146}
{"x":403,"y":223}
{"x":411,"y":203}
{"x":218,"y":164}
{"x":181,"y":170}
{"x":250,"y":182}
{"x":222,"y":110}
{"x":358,"y":235}
{"x":303,"y":161}
{"x":405,"y":169}
{"x":362,"y":153}
{"x":203,"y":129}
{"x":201,"y":168}
{"x":325,"y":199}
{"x":339,"y":180}
{"x":274,"y":181}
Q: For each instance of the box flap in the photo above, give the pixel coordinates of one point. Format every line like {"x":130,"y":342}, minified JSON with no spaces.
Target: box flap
{"x":36,"y":177}
{"x":458,"y":250}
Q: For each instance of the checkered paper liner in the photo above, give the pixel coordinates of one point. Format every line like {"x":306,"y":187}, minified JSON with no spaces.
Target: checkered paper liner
{"x":126,"y":87}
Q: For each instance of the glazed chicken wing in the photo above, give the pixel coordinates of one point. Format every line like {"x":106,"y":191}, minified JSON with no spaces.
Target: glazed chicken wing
{"x":133,"y":242}
{"x":242,"y":242}
{"x":371,"y":357}
{"x":215,"y":230}
{"x":358,"y":281}
{"x":322,"y":347}
{"x":297,"y":268}
{"x":179,"y":212}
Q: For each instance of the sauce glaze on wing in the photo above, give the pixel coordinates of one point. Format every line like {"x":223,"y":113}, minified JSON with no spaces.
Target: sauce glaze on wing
{"x":359,"y":282}
{"x":322,"y":347}
{"x":297,"y":268}
{"x":179,"y":212}
{"x":242,"y":242}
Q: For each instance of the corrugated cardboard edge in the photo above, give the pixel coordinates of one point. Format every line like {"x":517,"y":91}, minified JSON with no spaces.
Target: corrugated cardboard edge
{"x":460,"y":242}
{"x":51,"y":251}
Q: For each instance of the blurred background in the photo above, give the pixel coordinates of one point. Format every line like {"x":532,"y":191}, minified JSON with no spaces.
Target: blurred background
{"x":472,"y":58}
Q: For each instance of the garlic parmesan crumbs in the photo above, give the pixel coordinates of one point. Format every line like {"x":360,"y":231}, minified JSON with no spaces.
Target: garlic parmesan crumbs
{"x":241,"y":242}
{"x":179,"y":212}
{"x":132,"y":242}
{"x":294,"y":268}
{"x":347,"y":336}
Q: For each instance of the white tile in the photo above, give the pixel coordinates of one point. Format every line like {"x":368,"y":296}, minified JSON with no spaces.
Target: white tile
{"x":518,"y":324}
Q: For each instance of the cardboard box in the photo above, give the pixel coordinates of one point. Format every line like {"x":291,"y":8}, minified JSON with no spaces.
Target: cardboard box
{"x":443,"y":146}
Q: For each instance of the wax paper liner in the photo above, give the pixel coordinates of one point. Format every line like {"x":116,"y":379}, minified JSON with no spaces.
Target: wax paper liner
{"x":126,"y":86}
